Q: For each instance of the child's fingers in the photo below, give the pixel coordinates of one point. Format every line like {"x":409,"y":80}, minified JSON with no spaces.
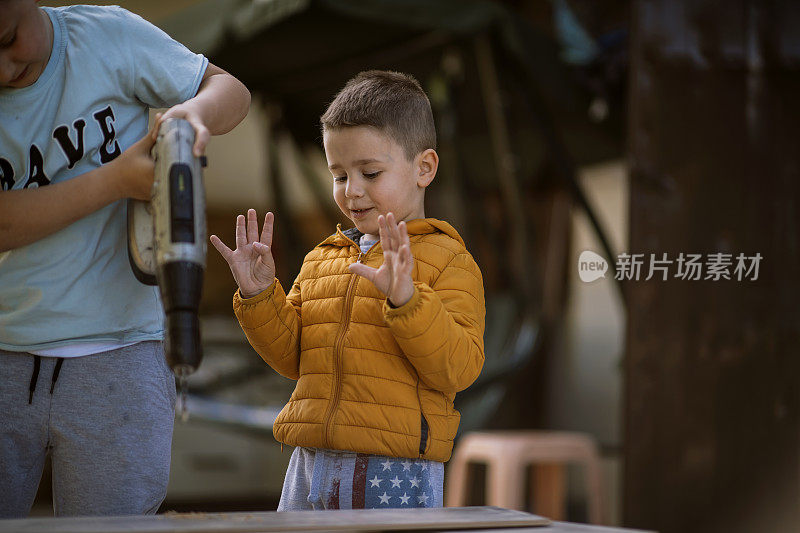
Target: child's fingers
{"x":406,"y":259}
{"x":402,"y":234}
{"x":387,"y":229}
{"x":264,"y":251}
{"x":252,"y":226}
{"x":266,"y":232}
{"x":221,"y":247}
{"x":383,"y":233}
{"x":402,"y":230}
{"x":156,"y":125}
{"x":153,"y":133}
{"x":391,"y":224}
{"x":363,"y":271}
{"x":202,"y":135}
{"x":146,"y":144}
{"x":241,"y":235}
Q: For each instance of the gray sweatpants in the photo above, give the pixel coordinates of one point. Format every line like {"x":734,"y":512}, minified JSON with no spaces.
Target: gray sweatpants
{"x":106,"y":419}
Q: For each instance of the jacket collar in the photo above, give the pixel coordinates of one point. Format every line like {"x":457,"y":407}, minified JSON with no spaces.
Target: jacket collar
{"x":418,"y":226}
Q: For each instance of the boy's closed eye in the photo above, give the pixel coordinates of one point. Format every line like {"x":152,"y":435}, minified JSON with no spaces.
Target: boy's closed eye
{"x":8,"y":42}
{"x":368,"y":175}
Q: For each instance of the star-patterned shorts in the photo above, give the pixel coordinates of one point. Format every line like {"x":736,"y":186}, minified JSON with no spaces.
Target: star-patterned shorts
{"x":330,"y":479}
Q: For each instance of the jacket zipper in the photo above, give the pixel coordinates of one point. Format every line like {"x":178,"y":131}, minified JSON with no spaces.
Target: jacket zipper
{"x":423,"y":435}
{"x":423,"y":431}
{"x":327,"y":426}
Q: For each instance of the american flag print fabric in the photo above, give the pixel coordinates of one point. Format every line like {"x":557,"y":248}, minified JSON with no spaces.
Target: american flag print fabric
{"x":328,"y":479}
{"x":395,"y":483}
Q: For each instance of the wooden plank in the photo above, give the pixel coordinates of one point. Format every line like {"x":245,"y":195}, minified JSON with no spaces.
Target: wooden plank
{"x":568,"y":527}
{"x":345,"y":520}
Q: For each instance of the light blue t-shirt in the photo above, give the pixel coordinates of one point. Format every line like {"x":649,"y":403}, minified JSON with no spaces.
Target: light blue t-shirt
{"x":107,"y":68}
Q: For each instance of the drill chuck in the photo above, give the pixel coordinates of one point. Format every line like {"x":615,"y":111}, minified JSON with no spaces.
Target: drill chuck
{"x":180,"y":284}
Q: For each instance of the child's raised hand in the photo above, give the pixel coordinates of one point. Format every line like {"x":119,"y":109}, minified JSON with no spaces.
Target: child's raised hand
{"x":393,"y":277}
{"x":252,"y":264}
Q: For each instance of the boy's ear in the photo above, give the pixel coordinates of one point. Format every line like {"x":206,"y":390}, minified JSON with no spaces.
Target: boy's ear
{"x":428,"y":164}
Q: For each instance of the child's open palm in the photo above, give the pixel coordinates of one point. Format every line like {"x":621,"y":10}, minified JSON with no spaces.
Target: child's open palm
{"x":393,"y":277}
{"x":252,"y":264}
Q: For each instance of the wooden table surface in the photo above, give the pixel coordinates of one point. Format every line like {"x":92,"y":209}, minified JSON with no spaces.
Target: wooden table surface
{"x":482,"y":519}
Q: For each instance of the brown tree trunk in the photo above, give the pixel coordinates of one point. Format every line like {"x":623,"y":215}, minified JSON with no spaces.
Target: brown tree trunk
{"x":712,"y":404}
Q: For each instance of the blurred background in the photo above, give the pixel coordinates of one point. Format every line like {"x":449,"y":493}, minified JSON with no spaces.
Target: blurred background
{"x":646,"y":126}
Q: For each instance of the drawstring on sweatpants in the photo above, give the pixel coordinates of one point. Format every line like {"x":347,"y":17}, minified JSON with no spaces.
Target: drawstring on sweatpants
{"x":37,"y":362}
{"x":56,"y":370}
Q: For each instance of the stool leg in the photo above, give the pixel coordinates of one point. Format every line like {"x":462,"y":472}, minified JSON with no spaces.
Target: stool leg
{"x":594,"y":485}
{"x":549,"y":490}
{"x":506,"y":485}
{"x":456,"y":482}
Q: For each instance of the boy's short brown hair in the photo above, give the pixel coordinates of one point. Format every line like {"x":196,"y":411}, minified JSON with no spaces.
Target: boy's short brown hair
{"x":393,"y":102}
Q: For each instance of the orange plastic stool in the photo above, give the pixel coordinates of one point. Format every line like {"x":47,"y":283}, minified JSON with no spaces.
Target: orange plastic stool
{"x":507,"y":454}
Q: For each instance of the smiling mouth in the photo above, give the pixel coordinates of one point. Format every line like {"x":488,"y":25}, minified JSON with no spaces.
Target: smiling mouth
{"x":21,"y":75}
{"x":358,"y":213}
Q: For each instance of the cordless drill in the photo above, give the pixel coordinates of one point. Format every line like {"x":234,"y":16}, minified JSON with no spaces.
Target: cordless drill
{"x":167,"y":241}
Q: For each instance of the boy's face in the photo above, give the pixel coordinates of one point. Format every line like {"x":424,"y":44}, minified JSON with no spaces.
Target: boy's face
{"x":372,"y":176}
{"x":26,"y":38}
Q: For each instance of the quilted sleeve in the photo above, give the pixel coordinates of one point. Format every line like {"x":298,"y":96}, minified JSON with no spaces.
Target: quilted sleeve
{"x":271,"y":322}
{"x":440,"y":329}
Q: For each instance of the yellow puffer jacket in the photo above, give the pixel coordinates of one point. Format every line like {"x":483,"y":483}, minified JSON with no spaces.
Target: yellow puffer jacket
{"x":372,"y":378}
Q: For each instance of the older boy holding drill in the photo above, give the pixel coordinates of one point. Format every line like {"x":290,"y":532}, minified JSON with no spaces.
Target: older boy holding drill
{"x":81,"y":363}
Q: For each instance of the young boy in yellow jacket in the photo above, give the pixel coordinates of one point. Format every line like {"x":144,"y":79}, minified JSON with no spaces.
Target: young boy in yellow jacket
{"x":383,"y":325}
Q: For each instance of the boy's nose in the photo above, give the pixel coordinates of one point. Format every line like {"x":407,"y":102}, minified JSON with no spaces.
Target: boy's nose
{"x":353,"y":189}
